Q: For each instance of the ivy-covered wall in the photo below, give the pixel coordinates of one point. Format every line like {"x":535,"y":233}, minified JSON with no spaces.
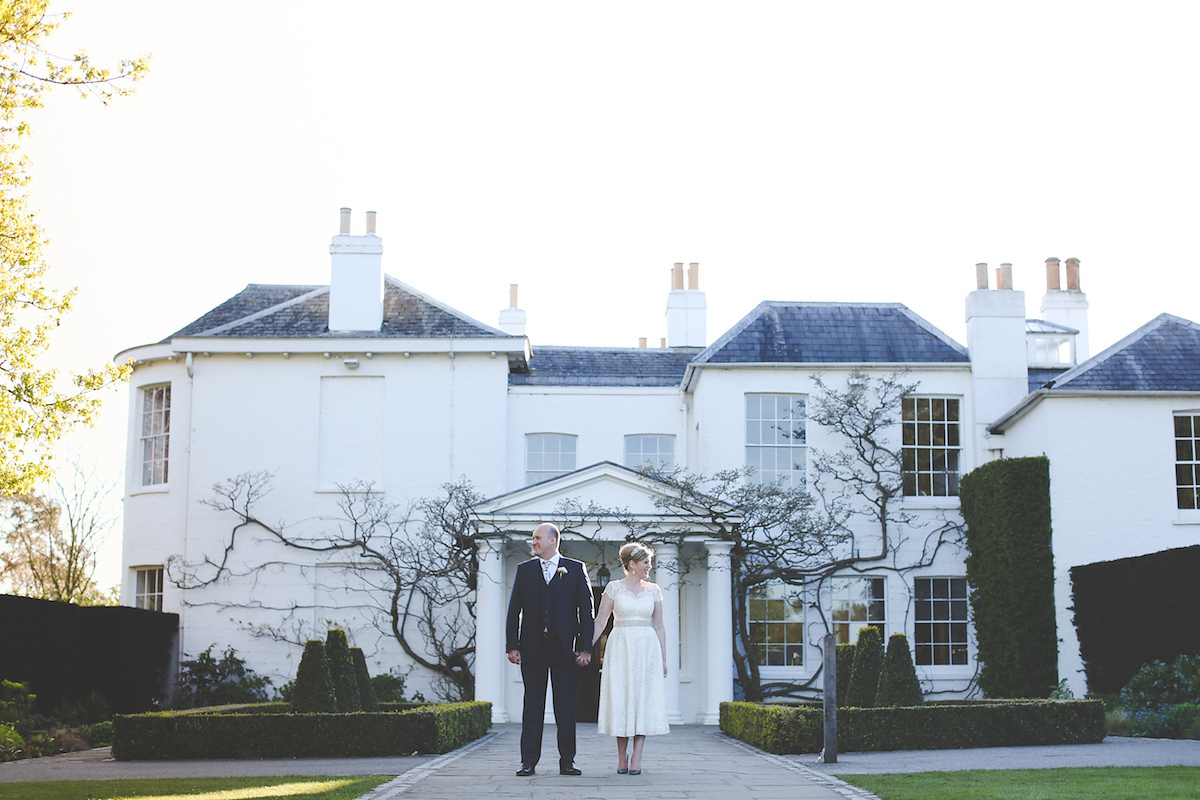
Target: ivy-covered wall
{"x":1010,"y":571}
{"x":65,"y":652}
{"x":1132,"y":611}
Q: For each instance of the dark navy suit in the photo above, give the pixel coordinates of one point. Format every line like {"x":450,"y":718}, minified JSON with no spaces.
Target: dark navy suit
{"x":549,"y":624}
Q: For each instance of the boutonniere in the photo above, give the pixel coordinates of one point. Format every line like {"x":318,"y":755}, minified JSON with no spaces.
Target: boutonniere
{"x":561,"y":571}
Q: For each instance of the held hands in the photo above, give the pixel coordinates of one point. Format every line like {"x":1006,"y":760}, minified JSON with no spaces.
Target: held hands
{"x":583,"y":658}
{"x":514,"y":656}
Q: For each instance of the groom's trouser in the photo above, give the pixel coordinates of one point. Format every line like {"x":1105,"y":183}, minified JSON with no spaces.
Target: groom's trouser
{"x":545,"y":659}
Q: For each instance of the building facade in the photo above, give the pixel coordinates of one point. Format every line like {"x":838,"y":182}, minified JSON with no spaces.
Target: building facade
{"x":368,"y":381}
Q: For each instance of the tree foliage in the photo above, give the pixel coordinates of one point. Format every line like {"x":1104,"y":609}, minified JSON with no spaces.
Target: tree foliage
{"x":35,"y":408}
{"x":208,"y":680}
{"x":313,"y":691}
{"x":341,"y":668}
{"x":868,"y":664}
{"x":51,"y":542}
{"x":898,"y":684}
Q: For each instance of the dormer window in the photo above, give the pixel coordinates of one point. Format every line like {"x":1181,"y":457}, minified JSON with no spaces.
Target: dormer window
{"x":1049,"y":344}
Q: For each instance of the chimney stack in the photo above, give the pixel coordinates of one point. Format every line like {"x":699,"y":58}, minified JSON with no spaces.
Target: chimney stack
{"x":1052,"y":273}
{"x":512,"y":319}
{"x":997,"y":349}
{"x":1068,"y":307}
{"x":686,"y":308}
{"x":356,"y":279}
{"x":642,"y":341}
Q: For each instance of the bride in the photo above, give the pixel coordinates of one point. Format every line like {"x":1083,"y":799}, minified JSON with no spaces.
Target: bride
{"x":632,"y":686}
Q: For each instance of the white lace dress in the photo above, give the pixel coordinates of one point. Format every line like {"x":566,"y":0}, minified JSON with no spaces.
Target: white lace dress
{"x":633,"y":694}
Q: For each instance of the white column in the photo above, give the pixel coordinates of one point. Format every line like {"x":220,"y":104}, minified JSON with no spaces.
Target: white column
{"x":718,"y":590}
{"x":668,"y":579}
{"x":490,"y":657}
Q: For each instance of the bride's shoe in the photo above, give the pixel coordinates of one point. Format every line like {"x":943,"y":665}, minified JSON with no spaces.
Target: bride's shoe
{"x":622,"y":770}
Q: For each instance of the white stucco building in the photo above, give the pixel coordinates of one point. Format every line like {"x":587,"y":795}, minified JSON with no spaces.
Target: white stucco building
{"x":368,"y":380}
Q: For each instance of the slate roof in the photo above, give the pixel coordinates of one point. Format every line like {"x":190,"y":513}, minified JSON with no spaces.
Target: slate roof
{"x":813,"y":333}
{"x":267,"y":311}
{"x":605,"y":366}
{"x":1162,"y":355}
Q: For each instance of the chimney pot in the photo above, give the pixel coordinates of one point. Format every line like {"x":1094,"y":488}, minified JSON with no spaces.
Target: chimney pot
{"x":1073,"y":274}
{"x":370,"y":223}
{"x":677,"y":276}
{"x":1052,"y":273}
{"x":345,"y":227}
{"x":642,"y":341}
{"x":663,"y":342}
{"x":693,"y":275}
{"x":512,"y":296}
{"x":1004,"y":277}
{"x":981,"y":278}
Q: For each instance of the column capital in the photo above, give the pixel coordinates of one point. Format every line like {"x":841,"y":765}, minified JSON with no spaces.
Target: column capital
{"x":490,"y":546}
{"x":718,"y":547}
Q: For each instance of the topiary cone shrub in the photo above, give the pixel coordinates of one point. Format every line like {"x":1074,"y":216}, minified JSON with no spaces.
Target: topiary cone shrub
{"x":313,"y":692}
{"x":845,"y":665}
{"x":864,"y":677}
{"x":341,"y":667}
{"x":366,"y":692}
{"x":898,"y":684}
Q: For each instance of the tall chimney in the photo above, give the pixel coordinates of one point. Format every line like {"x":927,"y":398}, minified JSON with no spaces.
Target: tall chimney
{"x":512,"y":319}
{"x":1069,"y":307}
{"x":356,"y":280}
{"x":686,"y":309}
{"x":1051,"y":273}
{"x":1004,"y":277}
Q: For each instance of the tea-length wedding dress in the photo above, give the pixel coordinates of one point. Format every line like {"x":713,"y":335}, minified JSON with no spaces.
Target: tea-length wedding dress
{"x":633,"y":696}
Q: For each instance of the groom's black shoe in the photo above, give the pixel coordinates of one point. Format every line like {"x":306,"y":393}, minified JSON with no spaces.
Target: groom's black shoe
{"x":525,"y":771}
{"x":568,"y":769}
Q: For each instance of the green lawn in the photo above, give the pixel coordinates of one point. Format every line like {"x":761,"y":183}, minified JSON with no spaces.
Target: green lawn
{"x":1082,"y":783}
{"x":321,"y":787}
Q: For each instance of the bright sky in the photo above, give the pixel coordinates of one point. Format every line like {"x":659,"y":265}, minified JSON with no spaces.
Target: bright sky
{"x":799,"y":151}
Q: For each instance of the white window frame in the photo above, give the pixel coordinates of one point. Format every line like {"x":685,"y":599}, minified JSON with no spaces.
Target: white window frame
{"x":776,"y":434}
{"x":858,"y":602}
{"x":940,"y":622}
{"x":156,"y":434}
{"x":662,"y":458}
{"x":563,"y":458}
{"x":775,"y":625}
{"x":1187,"y":462}
{"x":931,"y":445}
{"x":148,"y":588}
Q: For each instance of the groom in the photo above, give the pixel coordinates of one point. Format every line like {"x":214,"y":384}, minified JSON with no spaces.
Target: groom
{"x":549,"y":635}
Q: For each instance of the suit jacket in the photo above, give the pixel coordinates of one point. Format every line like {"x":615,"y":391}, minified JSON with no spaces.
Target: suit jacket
{"x":564,"y":606}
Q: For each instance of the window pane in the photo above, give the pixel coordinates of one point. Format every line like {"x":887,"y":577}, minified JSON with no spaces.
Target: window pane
{"x":930,"y":442}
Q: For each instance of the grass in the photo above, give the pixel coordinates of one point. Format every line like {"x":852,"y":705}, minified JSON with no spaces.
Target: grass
{"x":1068,"y":783}
{"x":322,"y":787}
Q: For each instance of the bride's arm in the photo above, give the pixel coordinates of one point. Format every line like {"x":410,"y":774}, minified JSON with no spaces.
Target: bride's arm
{"x":657,"y":621}
{"x":606,"y":606}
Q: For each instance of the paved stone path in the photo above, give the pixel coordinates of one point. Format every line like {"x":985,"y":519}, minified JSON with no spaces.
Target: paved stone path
{"x":692,"y":761}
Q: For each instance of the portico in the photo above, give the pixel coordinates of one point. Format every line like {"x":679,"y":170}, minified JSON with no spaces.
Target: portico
{"x":598,"y":508}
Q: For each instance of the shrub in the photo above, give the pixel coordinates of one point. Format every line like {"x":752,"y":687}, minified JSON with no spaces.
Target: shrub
{"x":1116,"y":722}
{"x":389,"y":688}
{"x":845,"y":665}
{"x":341,"y":668}
{"x":206,"y":734}
{"x":1160,"y":684}
{"x":67,"y":740}
{"x":99,"y":734}
{"x":1010,"y":571}
{"x":12,"y":746}
{"x":313,"y":690}
{"x":1165,"y":722}
{"x":930,"y":726}
{"x":898,"y":684}
{"x":93,"y":708}
{"x":864,"y":677}
{"x":16,"y":702}
{"x":209,"y":681}
{"x":363,"y":676}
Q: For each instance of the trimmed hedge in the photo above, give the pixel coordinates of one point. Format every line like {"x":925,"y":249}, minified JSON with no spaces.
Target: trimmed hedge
{"x":933,"y":726}
{"x":1010,"y":569}
{"x":239,"y":732}
{"x":1119,"y":613}
{"x":66,"y":652}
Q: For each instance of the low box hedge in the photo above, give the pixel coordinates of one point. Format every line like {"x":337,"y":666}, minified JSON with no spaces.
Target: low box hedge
{"x":933,"y":726}
{"x":242,"y":732}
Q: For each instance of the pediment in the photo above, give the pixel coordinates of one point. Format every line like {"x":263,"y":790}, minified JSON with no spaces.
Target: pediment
{"x":597,"y":497}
